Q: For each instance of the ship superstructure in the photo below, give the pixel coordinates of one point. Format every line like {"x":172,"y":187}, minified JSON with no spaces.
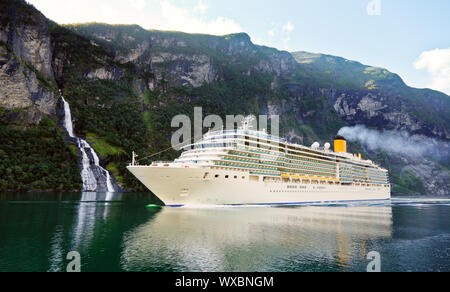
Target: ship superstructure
{"x":246,"y":167}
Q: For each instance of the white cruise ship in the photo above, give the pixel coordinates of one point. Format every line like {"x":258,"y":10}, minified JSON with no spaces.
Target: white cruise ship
{"x":246,"y":167}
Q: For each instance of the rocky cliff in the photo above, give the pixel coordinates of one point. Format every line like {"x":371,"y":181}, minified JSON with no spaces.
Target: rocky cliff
{"x":124,"y":84}
{"x":27,"y":91}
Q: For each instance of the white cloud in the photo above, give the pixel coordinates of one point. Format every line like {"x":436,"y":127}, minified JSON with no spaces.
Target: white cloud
{"x":150,"y":14}
{"x":288,"y":27}
{"x":137,"y":4}
{"x":437,"y":63}
{"x":177,"y":18}
{"x":79,"y":11}
{"x":280,"y":35}
{"x":272,"y":32}
{"x":201,"y":7}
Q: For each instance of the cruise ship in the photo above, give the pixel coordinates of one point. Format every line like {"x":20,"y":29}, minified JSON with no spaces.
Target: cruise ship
{"x":248,"y":167}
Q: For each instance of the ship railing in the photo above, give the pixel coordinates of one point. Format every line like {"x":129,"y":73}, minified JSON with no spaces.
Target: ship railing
{"x":257,"y":134}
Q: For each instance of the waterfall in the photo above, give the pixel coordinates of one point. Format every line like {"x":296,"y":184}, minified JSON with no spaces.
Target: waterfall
{"x":94,"y":177}
{"x":67,"y":118}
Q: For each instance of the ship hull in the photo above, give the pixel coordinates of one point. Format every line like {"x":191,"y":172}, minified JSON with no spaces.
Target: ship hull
{"x":203,"y":186}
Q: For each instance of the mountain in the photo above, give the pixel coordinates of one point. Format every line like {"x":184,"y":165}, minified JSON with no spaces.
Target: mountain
{"x":33,"y":154}
{"x":385,"y":100}
{"x":124,"y":84}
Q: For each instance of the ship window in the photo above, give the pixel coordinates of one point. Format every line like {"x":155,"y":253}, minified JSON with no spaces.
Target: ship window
{"x":235,"y":176}
{"x":227,"y":176}
{"x":216,"y":176}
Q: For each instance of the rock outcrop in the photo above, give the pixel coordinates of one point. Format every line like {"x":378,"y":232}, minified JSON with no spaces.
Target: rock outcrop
{"x":26,"y":74}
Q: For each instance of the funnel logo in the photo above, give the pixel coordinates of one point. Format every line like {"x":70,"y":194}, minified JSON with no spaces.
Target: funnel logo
{"x":374,"y":8}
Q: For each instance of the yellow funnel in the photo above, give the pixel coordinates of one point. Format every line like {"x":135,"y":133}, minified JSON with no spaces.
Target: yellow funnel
{"x":340,"y":144}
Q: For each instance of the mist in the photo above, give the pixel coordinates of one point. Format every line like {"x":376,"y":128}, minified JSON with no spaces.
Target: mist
{"x":396,"y":142}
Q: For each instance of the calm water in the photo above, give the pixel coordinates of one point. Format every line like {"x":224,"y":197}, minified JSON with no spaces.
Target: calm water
{"x":38,"y":230}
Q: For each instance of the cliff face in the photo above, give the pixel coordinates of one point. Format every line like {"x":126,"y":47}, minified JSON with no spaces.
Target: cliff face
{"x":26,"y":74}
{"x":378,"y":109}
{"x":124,"y":84}
{"x":182,"y":59}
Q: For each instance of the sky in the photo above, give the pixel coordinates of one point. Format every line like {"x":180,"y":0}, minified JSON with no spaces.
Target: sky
{"x":407,"y":37}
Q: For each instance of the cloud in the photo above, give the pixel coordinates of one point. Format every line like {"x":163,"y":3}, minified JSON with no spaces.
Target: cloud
{"x":137,"y":4}
{"x":280,"y":35}
{"x":150,"y":14}
{"x":396,"y":142}
{"x":288,"y":27}
{"x":272,"y":32}
{"x":79,"y":11}
{"x":287,"y":30}
{"x":437,"y":63}
{"x":201,"y":7}
{"x":177,"y":18}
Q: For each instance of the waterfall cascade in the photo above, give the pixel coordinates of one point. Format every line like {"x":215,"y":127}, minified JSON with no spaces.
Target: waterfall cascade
{"x":95,"y":178}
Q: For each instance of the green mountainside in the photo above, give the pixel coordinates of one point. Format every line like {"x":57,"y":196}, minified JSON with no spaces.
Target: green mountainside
{"x":125,"y":84}
{"x":430,"y":106}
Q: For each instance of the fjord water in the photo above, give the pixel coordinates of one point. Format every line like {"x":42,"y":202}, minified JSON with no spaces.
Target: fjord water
{"x":118,"y":233}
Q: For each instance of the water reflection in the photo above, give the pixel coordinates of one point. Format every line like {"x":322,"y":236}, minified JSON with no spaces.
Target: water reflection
{"x":115,"y":232}
{"x":83,"y":228}
{"x":56,"y":251}
{"x":55,"y":197}
{"x":82,"y":231}
{"x":256,"y":239}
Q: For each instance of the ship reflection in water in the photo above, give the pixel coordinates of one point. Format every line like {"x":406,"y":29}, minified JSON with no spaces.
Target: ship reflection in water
{"x":257,"y":239}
